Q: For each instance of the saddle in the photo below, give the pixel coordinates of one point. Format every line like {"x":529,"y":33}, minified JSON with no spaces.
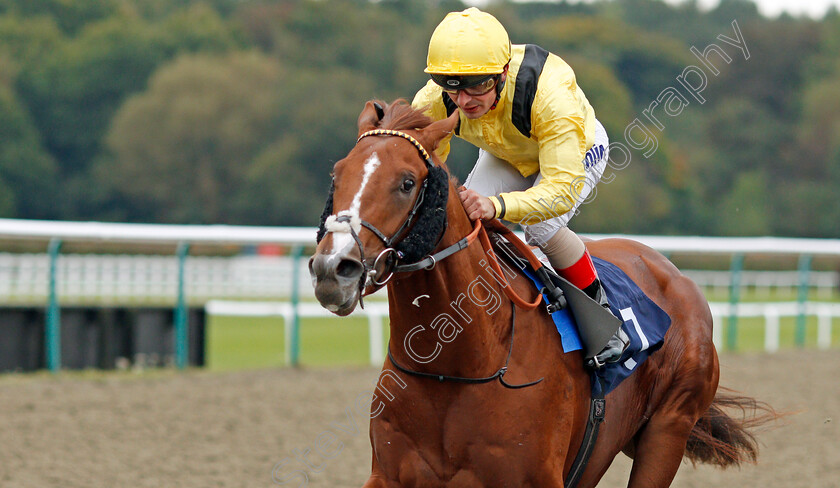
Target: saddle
{"x":568,"y":306}
{"x":557,"y":291}
{"x":643,"y":320}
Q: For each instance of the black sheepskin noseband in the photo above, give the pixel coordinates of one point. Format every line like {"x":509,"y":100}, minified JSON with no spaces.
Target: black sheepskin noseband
{"x":328,"y":210}
{"x":429,"y":223}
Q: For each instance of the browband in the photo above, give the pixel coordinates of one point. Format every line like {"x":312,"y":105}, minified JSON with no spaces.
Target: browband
{"x":389,"y":132}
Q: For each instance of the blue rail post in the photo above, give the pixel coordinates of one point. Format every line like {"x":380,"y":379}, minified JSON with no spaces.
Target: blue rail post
{"x":294,"y":349}
{"x":802,"y":299}
{"x":52,"y":330}
{"x":181,"y":319}
{"x":735,"y":269}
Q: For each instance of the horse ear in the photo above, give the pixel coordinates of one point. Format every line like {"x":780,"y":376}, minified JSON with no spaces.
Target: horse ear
{"x":370,"y":116}
{"x":436,"y":131}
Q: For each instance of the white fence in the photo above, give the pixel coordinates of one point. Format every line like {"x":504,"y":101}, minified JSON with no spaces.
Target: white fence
{"x":106,"y":279}
{"x":133,"y":279}
{"x":377,"y":312}
{"x":90,"y":278}
{"x":764,"y":282}
{"x":772,"y":312}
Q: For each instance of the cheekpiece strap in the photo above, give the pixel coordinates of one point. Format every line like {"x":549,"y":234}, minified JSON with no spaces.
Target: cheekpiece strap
{"x":390,"y":132}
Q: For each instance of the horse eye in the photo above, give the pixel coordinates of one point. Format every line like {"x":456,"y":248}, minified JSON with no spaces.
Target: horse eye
{"x":407,"y":185}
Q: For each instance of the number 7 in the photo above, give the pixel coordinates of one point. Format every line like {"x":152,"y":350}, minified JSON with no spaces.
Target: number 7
{"x":628,"y":315}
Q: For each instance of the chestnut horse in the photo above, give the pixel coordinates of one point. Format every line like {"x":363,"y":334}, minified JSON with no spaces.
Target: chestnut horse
{"x":391,"y":206}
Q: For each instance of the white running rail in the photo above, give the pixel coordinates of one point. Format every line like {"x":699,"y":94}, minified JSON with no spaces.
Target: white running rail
{"x":377,"y":312}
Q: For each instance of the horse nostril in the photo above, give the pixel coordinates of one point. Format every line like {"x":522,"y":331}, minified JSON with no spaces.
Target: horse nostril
{"x":349,"y":268}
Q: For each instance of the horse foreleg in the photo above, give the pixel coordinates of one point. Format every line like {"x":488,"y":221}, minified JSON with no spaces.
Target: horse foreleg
{"x":377,"y":478}
{"x":659,"y":450}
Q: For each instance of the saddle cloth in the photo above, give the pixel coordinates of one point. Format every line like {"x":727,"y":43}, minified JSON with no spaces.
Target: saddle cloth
{"x":643,"y":321}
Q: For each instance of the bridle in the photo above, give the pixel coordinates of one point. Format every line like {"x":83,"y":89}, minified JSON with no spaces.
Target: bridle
{"x":389,"y":254}
{"x":393,"y":257}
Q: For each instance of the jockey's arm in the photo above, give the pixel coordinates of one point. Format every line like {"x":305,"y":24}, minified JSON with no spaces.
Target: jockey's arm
{"x":562,"y":149}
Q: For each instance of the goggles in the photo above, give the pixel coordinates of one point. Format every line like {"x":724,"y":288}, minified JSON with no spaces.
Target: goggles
{"x":474,"y":86}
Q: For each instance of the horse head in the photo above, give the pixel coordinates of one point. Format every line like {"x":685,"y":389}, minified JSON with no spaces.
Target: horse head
{"x":387,"y":204}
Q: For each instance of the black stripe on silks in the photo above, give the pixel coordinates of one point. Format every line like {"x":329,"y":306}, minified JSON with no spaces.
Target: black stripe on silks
{"x":451,"y":107}
{"x":526,"y":87}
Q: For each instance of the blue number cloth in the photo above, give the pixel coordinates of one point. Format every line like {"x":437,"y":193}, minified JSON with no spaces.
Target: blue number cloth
{"x":643,"y":321}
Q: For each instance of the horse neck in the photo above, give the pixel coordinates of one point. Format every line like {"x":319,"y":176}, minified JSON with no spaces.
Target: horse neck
{"x":459,"y":307}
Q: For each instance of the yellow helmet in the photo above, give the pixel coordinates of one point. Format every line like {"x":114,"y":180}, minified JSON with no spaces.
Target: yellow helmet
{"x":471,"y":42}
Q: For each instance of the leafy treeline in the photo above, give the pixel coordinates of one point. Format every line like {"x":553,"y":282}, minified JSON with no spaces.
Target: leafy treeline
{"x":234,"y":111}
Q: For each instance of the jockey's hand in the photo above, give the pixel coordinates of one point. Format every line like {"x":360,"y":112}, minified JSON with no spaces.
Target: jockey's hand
{"x":477,"y":206}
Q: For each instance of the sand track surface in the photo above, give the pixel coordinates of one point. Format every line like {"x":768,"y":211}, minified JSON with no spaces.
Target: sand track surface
{"x":288,"y":427}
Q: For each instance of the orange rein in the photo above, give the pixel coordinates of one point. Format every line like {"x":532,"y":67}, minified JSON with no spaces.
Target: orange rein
{"x":481,"y":232}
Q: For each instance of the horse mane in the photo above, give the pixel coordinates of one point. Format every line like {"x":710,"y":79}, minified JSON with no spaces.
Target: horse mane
{"x":400,"y":115}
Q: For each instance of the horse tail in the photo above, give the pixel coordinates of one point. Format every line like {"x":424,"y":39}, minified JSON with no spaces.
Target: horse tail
{"x":723,"y":440}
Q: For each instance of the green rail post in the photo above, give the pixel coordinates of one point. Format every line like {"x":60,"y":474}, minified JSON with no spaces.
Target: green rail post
{"x":181,"y":316}
{"x":735,"y":269}
{"x":294,"y":349}
{"x":802,"y":298}
{"x":52,"y":330}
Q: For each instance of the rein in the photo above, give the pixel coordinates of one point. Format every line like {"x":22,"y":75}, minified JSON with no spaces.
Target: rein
{"x":429,"y":262}
{"x":458,"y":379}
{"x":404,"y":245}
{"x":480,"y":232}
{"x":393,"y":257}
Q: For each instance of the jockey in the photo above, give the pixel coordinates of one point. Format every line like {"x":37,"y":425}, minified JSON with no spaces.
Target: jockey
{"x":541,"y":149}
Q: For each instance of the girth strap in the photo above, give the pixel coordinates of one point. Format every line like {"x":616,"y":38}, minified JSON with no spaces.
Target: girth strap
{"x":597,"y":409}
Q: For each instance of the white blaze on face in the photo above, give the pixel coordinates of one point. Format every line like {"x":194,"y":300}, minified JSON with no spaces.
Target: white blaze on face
{"x":342,"y":240}
{"x":370,"y":166}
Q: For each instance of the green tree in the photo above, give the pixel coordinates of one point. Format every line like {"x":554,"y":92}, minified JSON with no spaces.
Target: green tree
{"x":746,"y":210}
{"x":745,"y":136}
{"x":232,"y":139}
{"x":70,"y":15}
{"x":645,"y":62}
{"x":198,"y":28}
{"x":819,"y":132}
{"x":806,"y":208}
{"x":27,"y":40}
{"x":180,"y":147}
{"x":287,"y":182}
{"x":774,"y":73}
{"x":73,"y":92}
{"x":27,"y":172}
{"x":373,"y":39}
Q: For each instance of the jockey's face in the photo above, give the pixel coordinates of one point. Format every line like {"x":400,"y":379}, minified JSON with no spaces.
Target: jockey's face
{"x":475,"y":106}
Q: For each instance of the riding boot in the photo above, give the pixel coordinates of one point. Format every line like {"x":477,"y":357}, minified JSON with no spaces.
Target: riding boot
{"x":582,"y":274}
{"x":618,"y":343}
